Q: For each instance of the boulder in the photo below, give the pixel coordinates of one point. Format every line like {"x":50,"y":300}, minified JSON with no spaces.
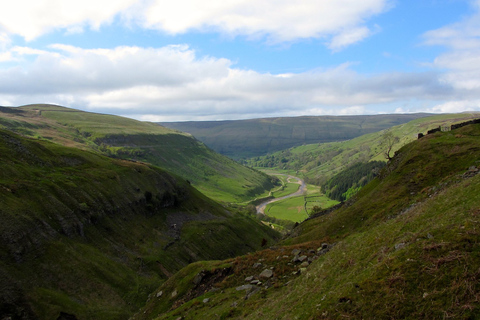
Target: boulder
{"x":244,"y":287}
{"x":296,"y":252}
{"x":248,"y":279}
{"x":198,"y":278}
{"x":267,"y":273}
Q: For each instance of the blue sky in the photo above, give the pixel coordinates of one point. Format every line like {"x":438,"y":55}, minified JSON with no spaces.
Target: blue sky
{"x":160,"y":60}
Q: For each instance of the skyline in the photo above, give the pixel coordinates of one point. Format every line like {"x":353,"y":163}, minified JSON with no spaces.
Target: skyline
{"x":154,"y":60}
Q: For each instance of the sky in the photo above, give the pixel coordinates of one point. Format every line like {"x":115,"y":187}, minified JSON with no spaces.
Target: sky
{"x":164,"y":60}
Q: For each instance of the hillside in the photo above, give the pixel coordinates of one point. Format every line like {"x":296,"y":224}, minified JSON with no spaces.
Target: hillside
{"x":251,"y":138}
{"x":90,"y":236}
{"x":216,"y":176}
{"x":406,"y":247}
{"x":317,"y":163}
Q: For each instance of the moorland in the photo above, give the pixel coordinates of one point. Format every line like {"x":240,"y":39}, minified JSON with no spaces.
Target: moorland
{"x":104,"y":217}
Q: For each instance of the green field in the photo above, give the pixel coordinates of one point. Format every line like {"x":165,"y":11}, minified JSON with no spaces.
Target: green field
{"x":298,"y":208}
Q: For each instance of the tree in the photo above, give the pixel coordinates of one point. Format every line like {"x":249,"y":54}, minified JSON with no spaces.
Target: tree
{"x":388,"y":140}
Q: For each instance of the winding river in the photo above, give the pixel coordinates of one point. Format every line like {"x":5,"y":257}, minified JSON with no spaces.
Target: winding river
{"x":303,"y":187}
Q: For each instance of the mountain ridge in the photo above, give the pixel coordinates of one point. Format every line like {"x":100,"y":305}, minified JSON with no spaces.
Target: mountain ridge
{"x":255,"y":137}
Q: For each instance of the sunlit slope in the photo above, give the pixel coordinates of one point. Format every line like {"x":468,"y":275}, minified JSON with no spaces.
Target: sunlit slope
{"x":92,"y":236}
{"x":217,"y":176}
{"x":318,"y":162}
{"x":407,"y":247}
{"x":255,"y":137}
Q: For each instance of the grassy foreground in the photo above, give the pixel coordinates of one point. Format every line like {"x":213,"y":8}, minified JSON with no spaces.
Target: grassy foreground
{"x":406,"y":247}
{"x":92,"y":237}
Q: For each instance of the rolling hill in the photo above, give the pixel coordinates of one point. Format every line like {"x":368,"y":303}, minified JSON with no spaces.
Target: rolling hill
{"x":406,"y":247}
{"x":216,"y":176}
{"x":319,"y":162}
{"x":256,"y":137}
{"x":85,"y":236}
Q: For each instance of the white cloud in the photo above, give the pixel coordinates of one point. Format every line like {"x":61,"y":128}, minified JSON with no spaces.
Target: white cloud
{"x":280,"y":20}
{"x":173,"y":82}
{"x":33,"y":18}
{"x":349,"y":37}
{"x":462,"y":60}
{"x":340,"y":22}
{"x":456,"y":106}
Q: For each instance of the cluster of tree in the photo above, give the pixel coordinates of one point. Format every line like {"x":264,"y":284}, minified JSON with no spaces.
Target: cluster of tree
{"x":346,"y":183}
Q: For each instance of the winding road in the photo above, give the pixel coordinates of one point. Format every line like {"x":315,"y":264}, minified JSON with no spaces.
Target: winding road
{"x":303,"y":187}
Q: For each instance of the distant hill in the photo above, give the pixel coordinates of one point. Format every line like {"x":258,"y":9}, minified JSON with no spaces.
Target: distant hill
{"x":215,"y":175}
{"x":250,"y":138}
{"x":319,"y":162}
{"x":84,"y":236}
{"x":406,"y":247}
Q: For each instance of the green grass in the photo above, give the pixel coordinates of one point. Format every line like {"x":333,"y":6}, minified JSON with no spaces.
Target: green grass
{"x":405,"y":248}
{"x":287,"y":188}
{"x":216,"y":176}
{"x":93,"y":236}
{"x":316,"y":163}
{"x":256,"y":137}
{"x":293,"y":209}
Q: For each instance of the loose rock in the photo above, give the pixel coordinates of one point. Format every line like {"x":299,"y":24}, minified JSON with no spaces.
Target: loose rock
{"x":267,"y":273}
{"x":244,"y":287}
{"x":296,"y":252}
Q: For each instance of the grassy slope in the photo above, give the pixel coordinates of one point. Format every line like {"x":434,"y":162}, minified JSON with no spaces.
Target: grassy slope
{"x":93,"y":236}
{"x":217,"y":176}
{"x":255,"y":137}
{"x":408,"y":247}
{"x":318,"y":162}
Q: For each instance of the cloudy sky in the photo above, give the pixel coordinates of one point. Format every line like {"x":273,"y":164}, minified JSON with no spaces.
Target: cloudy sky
{"x":164,"y":60}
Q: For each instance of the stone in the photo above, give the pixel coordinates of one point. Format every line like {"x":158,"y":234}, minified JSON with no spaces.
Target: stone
{"x":255,"y":282}
{"x":174,"y":293}
{"x":267,"y":273}
{"x":198,"y":278}
{"x":248,"y":279}
{"x":302,"y":258}
{"x":256,"y":265}
{"x":244,"y":287}
{"x":296,"y":252}
{"x":304,"y":264}
{"x":159,"y":294}
{"x":206,"y":300}
{"x":303,"y":270}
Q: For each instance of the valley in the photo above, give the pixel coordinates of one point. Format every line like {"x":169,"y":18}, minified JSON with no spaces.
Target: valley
{"x":123,"y":219}
{"x":301,"y":189}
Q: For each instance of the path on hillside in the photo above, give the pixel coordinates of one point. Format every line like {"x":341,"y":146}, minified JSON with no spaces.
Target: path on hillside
{"x":303,"y":187}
